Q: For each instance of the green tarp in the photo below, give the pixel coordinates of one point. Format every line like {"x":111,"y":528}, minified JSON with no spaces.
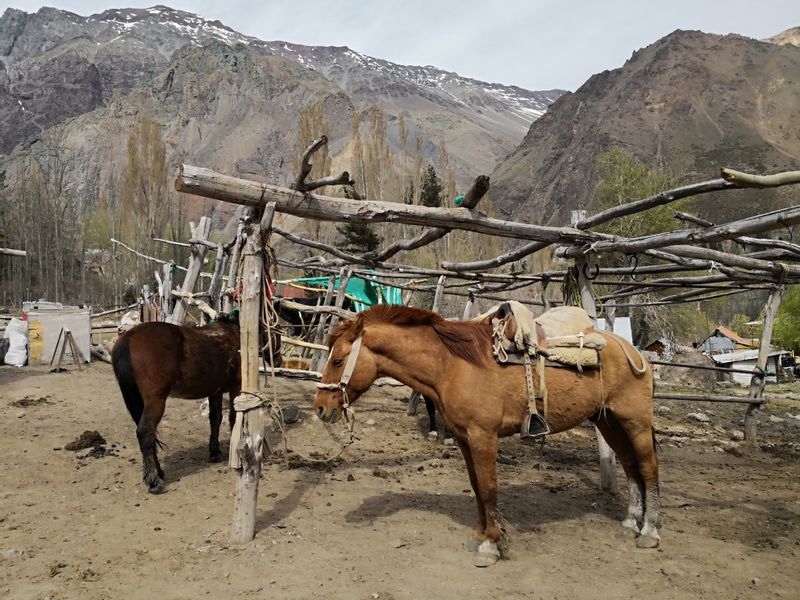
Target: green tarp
{"x":365,"y":291}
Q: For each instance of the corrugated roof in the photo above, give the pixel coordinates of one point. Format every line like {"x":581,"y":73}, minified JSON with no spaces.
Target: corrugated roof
{"x":732,"y":335}
{"x":742,"y":355}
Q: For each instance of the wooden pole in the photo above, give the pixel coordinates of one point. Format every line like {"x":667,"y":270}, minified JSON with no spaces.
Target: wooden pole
{"x":252,"y":446}
{"x":344,"y":277}
{"x":758,"y":380}
{"x":233,"y":271}
{"x":437,"y":298}
{"x":319,"y":337}
{"x":199,"y":252}
{"x":216,"y":279}
{"x":608,"y":460}
{"x":207,"y":183}
{"x":166,"y":299}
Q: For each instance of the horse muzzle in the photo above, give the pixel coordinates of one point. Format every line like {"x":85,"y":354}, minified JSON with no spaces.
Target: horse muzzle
{"x":328,"y":405}
{"x":329,"y":415}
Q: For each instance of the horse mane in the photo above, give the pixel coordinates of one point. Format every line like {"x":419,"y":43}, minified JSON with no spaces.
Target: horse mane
{"x":468,"y":340}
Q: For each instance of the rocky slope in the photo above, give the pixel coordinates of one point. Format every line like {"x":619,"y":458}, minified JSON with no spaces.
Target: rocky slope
{"x":790,"y":36}
{"x":55,"y":65}
{"x":233,"y":110}
{"x":689,"y":103}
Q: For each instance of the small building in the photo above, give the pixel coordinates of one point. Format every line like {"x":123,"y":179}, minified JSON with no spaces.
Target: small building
{"x":746,"y":360}
{"x":723,"y":340}
{"x":662,"y":347}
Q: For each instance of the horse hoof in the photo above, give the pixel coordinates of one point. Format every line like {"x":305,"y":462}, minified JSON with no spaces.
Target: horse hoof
{"x":158,"y":488}
{"x":631,"y":525}
{"x":487,"y":555}
{"x":433,"y":435}
{"x":647,"y":542}
{"x":215,"y":458}
{"x":449,"y":442}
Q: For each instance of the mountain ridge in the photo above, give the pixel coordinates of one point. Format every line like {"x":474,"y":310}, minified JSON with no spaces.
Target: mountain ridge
{"x":688,"y":104}
{"x":113,"y":51}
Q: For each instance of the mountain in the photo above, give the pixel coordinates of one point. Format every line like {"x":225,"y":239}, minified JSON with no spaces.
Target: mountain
{"x":790,"y":36}
{"x":689,"y":103}
{"x":56,"y":65}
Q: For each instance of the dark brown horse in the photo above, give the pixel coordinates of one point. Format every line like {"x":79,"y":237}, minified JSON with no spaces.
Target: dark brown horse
{"x":156,"y":360}
{"x":451,"y":362}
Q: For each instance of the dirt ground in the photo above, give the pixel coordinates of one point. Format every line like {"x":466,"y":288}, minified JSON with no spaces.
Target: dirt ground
{"x":387,"y":522}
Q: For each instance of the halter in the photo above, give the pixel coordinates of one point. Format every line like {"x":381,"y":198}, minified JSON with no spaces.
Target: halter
{"x":349,"y":367}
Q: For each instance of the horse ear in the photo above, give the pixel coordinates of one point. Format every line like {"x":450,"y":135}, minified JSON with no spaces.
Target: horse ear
{"x":358,"y":326}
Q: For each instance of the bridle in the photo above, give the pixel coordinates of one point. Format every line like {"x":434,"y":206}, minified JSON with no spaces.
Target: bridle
{"x":349,"y":367}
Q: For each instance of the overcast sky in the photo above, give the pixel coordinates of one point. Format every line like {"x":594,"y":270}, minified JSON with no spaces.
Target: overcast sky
{"x":536,"y":44}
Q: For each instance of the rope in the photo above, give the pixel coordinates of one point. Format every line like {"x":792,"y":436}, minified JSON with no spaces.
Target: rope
{"x":497,"y":340}
{"x":638,"y":370}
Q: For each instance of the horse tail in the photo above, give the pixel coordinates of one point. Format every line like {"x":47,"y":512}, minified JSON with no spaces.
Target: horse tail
{"x":123,"y":369}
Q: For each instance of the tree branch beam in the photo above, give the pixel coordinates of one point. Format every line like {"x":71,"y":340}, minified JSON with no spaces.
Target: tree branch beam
{"x":207,"y":183}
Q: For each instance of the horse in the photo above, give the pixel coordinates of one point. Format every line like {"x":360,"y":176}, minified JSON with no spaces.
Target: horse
{"x":155,"y":360}
{"x":430,"y":407}
{"x":451,"y":362}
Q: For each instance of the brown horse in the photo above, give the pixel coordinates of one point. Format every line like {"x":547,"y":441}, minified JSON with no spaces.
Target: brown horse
{"x":451,"y":362}
{"x":156,"y":360}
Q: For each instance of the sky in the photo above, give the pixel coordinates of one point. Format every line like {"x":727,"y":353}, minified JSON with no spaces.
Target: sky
{"x":535,"y":44}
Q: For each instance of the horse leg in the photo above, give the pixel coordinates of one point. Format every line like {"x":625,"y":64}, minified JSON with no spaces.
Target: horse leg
{"x":483,"y":449}
{"x":432,"y":429}
{"x":146,"y":433}
{"x":616,"y":437}
{"x":431,"y":408}
{"x":214,"y":420}
{"x":448,"y":436}
{"x":477,"y":534}
{"x":644,"y":446}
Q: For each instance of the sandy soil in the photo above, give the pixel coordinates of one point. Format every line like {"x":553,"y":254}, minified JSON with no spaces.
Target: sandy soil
{"x":388,"y":521}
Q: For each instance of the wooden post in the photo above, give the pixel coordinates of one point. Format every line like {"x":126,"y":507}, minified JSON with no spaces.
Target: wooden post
{"x":344,"y":277}
{"x":758,"y":380}
{"x":166,"y":298}
{"x":608,"y":460}
{"x":467,"y":315}
{"x":216,"y":278}
{"x":233,"y":269}
{"x":437,"y":298}
{"x":146,"y":314}
{"x":199,"y":252}
{"x":323,"y":320}
{"x":250,"y":429}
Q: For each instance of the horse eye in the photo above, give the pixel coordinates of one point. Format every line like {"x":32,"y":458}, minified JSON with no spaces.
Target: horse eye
{"x":337,"y":362}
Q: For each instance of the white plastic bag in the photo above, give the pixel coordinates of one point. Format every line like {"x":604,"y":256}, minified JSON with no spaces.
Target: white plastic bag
{"x":17,"y":334}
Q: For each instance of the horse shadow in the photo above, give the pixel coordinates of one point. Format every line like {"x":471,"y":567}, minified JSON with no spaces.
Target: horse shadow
{"x":188,"y":460}
{"x":525,"y":506}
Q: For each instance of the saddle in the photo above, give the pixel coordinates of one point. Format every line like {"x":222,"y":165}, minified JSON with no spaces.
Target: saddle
{"x":564,"y":336}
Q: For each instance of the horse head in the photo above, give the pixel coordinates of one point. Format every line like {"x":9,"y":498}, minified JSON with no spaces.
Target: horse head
{"x":350,"y":370}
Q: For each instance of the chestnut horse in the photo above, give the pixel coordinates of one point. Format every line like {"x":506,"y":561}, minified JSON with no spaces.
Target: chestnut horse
{"x":451,"y":362}
{"x":156,"y":360}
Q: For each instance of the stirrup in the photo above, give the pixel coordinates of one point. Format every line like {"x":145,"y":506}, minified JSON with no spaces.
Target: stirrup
{"x":534,"y":425}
